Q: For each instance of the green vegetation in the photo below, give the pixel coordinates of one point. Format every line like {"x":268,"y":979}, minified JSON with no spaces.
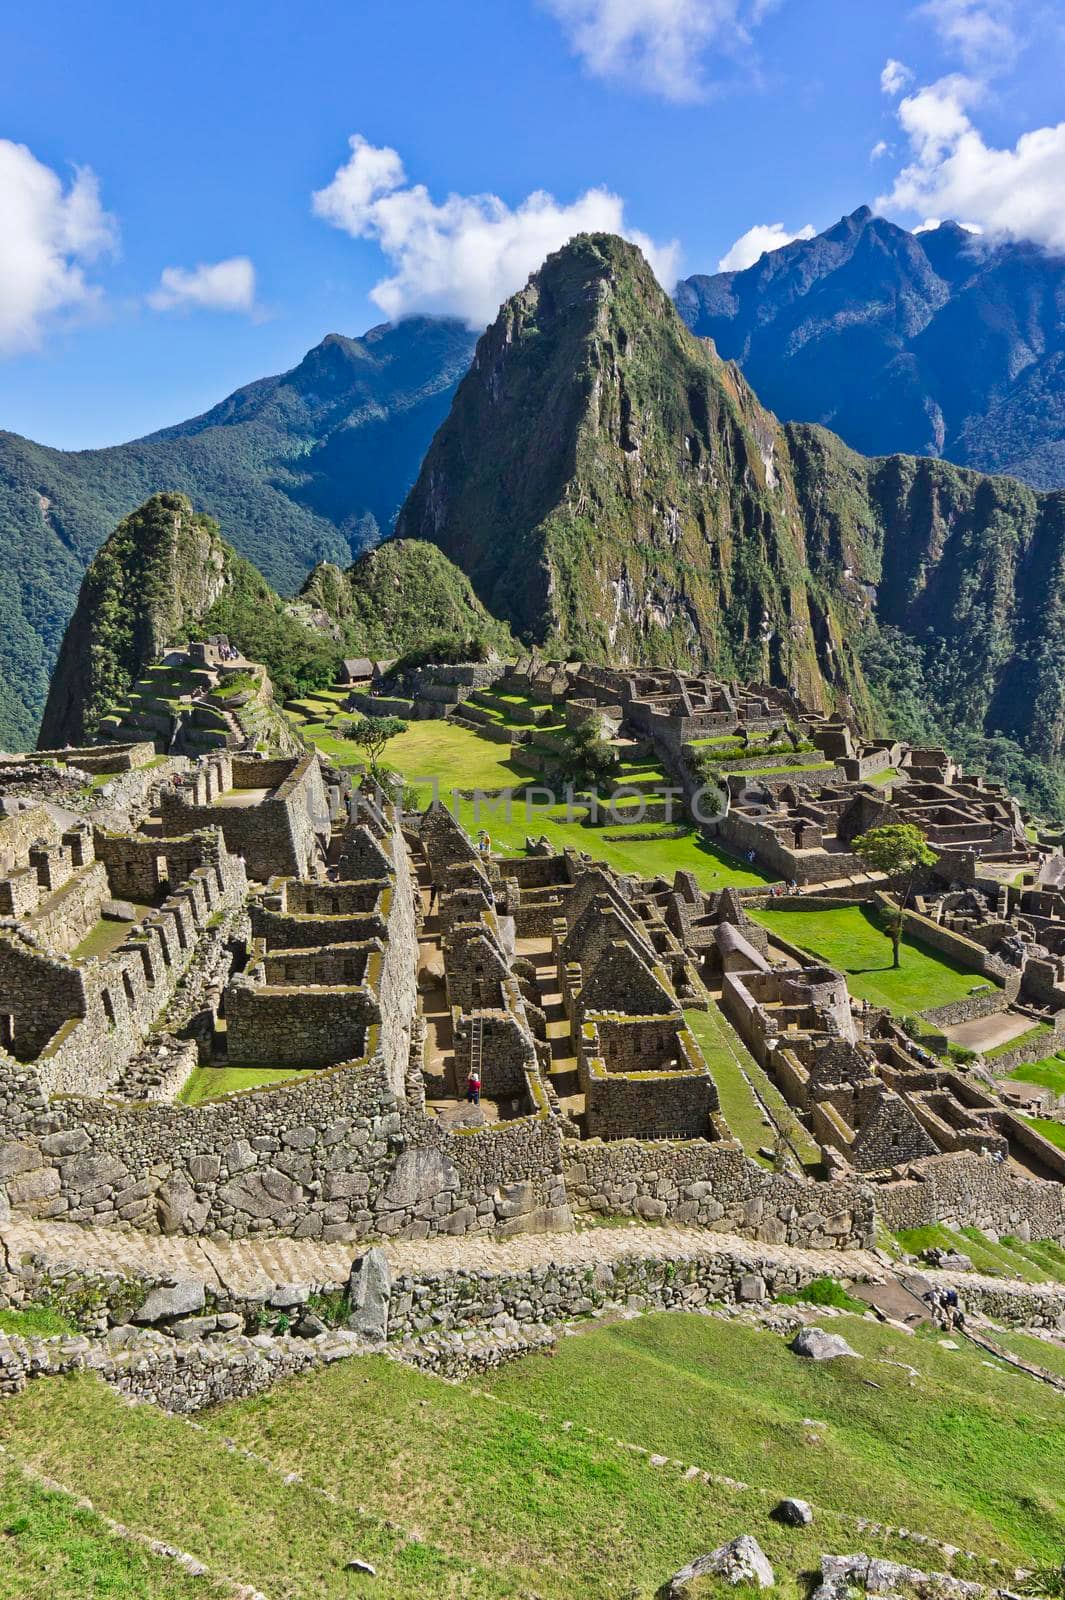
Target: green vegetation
{"x":370,"y":736}
{"x":158,"y":1476}
{"x":106,"y":936}
{"x":1048,"y":1073}
{"x":40,"y":1322}
{"x":738,"y":1076}
{"x":446,"y":759}
{"x":292,"y":466}
{"x":898,"y":850}
{"x":457,"y":1494}
{"x":1053,"y":1131}
{"x":934,"y":690}
{"x":528,"y":487}
{"x":851,"y":939}
{"x":400,"y":595}
{"x":585,"y":757}
{"x":213,"y":1083}
{"x":824,"y":1292}
{"x":735,"y":1399}
{"x":55,"y":1549}
{"x":1041,"y":1261}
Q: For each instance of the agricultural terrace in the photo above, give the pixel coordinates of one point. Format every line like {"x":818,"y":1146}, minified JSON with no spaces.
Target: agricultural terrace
{"x":537,"y":1460}
{"x":445,"y":757}
{"x":852,"y":940}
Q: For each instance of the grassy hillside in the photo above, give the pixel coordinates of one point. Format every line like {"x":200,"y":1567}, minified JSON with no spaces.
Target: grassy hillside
{"x":399,"y":596}
{"x":540,"y":1480}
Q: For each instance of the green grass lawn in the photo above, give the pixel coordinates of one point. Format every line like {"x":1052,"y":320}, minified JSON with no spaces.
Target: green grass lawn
{"x":1041,"y":1261}
{"x":35,"y":1322}
{"x":56,"y":1550}
{"x":1054,"y":1131}
{"x":725,"y":1051}
{"x":106,"y":936}
{"x":851,"y":939}
{"x":457,"y":759}
{"x":522,"y":1485}
{"x":959,"y":1447}
{"x":213,"y":1083}
{"x":1048,"y":1073}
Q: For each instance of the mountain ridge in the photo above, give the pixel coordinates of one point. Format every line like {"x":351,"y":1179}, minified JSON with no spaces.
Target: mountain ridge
{"x":861,"y":328}
{"x":306,"y":466}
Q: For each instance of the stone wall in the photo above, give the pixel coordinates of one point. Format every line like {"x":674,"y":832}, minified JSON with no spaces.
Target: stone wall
{"x":270,"y":1025}
{"x":65,"y":917}
{"x":281,"y":834}
{"x":718,"y":1187}
{"x":966,"y":1190}
{"x":557,"y":1292}
{"x":82,"y":1023}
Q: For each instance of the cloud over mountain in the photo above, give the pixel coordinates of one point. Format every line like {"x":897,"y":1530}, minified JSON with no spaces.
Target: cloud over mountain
{"x":464,"y":255}
{"x":753,"y":244}
{"x":1014,"y":192}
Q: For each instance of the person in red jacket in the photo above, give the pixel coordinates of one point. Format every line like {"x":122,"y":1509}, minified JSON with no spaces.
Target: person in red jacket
{"x":473,"y":1087}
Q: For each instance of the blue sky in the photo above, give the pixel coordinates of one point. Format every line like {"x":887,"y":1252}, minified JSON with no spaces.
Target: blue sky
{"x":160,"y":242}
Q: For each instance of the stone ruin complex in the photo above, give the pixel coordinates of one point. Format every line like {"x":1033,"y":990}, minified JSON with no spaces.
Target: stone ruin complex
{"x":256,"y":912}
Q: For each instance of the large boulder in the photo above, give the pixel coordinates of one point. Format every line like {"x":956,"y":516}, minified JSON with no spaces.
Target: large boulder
{"x":369,"y":1295}
{"x":817,"y":1345}
{"x":182,"y":1297}
{"x":742,"y":1560}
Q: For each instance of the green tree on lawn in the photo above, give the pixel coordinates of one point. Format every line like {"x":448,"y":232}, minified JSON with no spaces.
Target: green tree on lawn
{"x":897,"y":849}
{"x":585,"y":756}
{"x":372,"y":734}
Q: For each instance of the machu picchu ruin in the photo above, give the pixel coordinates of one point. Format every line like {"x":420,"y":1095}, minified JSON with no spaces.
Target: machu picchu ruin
{"x":532,"y":885}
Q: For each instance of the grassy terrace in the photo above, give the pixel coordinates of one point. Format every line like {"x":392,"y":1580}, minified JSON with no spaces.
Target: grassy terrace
{"x":213,"y":1083}
{"x":728,"y":1059}
{"x":457,"y":759}
{"x":56,"y":1550}
{"x":1036,"y":1261}
{"x":458,"y":1494}
{"x":1048,"y":1073}
{"x":1054,"y":1131}
{"x":852,"y":940}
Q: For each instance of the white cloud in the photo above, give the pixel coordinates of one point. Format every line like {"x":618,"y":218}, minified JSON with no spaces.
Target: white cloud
{"x":953,"y":173}
{"x":49,"y":235}
{"x":213,"y":286}
{"x":894,"y":77}
{"x":753,"y":244}
{"x":930,"y":223}
{"x":657,"y":45}
{"x":879,"y":149}
{"x":980,"y":31}
{"x":463,"y":256}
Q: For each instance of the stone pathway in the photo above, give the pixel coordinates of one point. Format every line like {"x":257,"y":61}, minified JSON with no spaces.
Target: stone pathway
{"x":248,"y":1265}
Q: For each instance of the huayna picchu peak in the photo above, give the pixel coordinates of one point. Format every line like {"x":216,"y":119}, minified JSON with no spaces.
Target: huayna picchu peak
{"x":611,"y":487}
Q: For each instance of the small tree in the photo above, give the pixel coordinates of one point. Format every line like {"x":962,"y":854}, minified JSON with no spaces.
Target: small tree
{"x":897,"y":849}
{"x":586,"y":757}
{"x":372,"y":734}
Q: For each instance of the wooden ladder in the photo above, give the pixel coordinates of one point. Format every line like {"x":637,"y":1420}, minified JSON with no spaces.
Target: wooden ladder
{"x":476,"y":1044}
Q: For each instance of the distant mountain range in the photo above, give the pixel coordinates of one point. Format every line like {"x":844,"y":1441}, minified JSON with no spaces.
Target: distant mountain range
{"x":610,"y":488}
{"x":306,"y":467}
{"x":938,"y":343}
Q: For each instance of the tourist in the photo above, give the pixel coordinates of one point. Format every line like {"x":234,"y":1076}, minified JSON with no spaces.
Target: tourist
{"x":473,"y":1087}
